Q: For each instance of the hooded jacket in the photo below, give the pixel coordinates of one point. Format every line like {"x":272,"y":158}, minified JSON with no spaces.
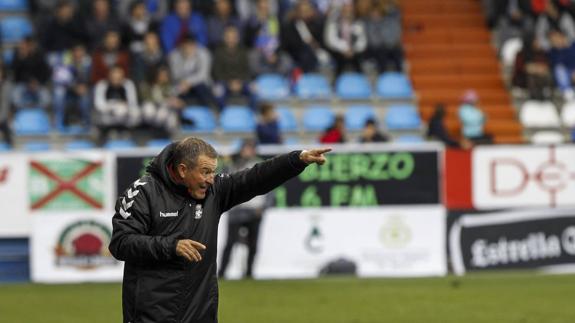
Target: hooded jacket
{"x":154,"y":213}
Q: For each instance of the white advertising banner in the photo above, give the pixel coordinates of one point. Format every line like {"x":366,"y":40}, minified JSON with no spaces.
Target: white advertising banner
{"x":73,"y":248}
{"x":14,"y":218}
{"x":386,"y":241}
{"x":523,"y":176}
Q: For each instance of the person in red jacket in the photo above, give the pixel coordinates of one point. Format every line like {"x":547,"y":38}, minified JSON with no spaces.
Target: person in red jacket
{"x":335,"y":133}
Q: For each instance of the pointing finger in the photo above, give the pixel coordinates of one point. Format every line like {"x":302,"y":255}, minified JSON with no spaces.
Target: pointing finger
{"x":197,"y":245}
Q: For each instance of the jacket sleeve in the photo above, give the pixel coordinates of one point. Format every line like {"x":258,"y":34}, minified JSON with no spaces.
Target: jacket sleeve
{"x":131,"y":224}
{"x":241,"y":186}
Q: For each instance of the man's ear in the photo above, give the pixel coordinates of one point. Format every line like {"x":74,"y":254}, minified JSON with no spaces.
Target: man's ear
{"x":182,"y":169}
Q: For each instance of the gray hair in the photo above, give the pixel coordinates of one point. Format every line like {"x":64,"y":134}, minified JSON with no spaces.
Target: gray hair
{"x":189,"y":149}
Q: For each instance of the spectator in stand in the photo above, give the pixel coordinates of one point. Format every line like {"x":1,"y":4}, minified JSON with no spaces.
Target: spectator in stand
{"x":345,"y":36}
{"x":262,"y":62}
{"x":335,"y":133}
{"x":262,"y":29}
{"x":222,"y":17}
{"x":110,"y":54}
{"x":383,"y":29}
{"x":231,"y":71}
{"x":116,"y":104}
{"x":161,"y":108}
{"x":137,"y":25}
{"x":146,"y":62}
{"x":553,"y":18}
{"x":156,"y":8}
{"x":64,"y":29}
{"x":100,"y":20}
{"x":436,"y":129}
{"x":371,"y":134}
{"x":268,"y":129}
{"x":512,"y":18}
{"x":302,"y":37}
{"x":190,"y":65}
{"x":72,"y":93}
{"x":472,"y":119}
{"x":31,"y":74}
{"x":246,"y":8}
{"x":182,"y":24}
{"x":5,"y":113}
{"x":532,"y":70}
{"x":562,"y":56}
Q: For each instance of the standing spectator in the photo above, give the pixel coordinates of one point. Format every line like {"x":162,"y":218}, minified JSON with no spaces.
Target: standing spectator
{"x":532,"y":69}
{"x":230,"y":70}
{"x":31,"y":74}
{"x":436,"y":129}
{"x":116,"y":104}
{"x":110,"y":54}
{"x":335,"y":133}
{"x":161,"y":108}
{"x":138,"y":24}
{"x":346,"y":38}
{"x":100,"y":20}
{"x":182,"y":24}
{"x":157,"y":8}
{"x":302,"y":37}
{"x":370,"y":133}
{"x":222,"y":17}
{"x":72,"y":94}
{"x":5,"y":89}
{"x":247,"y":215}
{"x":268,"y":129}
{"x":262,"y":29}
{"x":472,"y":119}
{"x":554,"y":19}
{"x":383,"y":29}
{"x":148,"y":60}
{"x":190,"y":65}
{"x":64,"y":30}
{"x":562,"y":56}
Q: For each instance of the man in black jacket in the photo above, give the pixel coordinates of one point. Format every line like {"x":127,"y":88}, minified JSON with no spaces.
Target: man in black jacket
{"x":166,"y":226}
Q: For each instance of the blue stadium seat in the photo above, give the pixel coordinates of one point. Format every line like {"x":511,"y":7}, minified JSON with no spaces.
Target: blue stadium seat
{"x":272,"y":87}
{"x":36,"y":146}
{"x":202,"y":117}
{"x":13,"y":5}
{"x":402,"y":117}
{"x":120,"y":144}
{"x":236,"y":118}
{"x":31,"y":122}
{"x":158,"y":143}
{"x":8,"y":56}
{"x":287,"y":119}
{"x":14,"y":29}
{"x":318,"y":118}
{"x":79,"y":145}
{"x":357,"y":115}
{"x":393,"y":85}
{"x":4,"y":146}
{"x":313,"y":86}
{"x":73,"y":130}
{"x":409,"y":139}
{"x":353,"y":86}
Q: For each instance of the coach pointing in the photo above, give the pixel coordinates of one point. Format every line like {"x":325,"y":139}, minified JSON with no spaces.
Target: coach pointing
{"x":166,"y":228}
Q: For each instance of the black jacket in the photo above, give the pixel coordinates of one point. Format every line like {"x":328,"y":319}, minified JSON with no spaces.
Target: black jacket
{"x":154,"y":213}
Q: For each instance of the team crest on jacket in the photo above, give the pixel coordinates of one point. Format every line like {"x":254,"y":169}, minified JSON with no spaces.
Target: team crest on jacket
{"x":84,"y":245}
{"x":199,"y":211}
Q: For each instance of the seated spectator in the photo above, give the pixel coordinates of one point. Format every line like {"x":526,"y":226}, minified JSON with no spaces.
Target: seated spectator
{"x":370,"y":133}
{"x":100,"y":20}
{"x":262,"y":62}
{"x":222,"y":17}
{"x":268,"y":130}
{"x":181,"y":24}
{"x":512,"y":18}
{"x":302,"y":37}
{"x":5,"y":113}
{"x":262,"y":29}
{"x":31,"y":74}
{"x":110,"y":54}
{"x":156,"y":8}
{"x":72,"y":93}
{"x":246,"y":8}
{"x":116,"y":104}
{"x":553,"y":18}
{"x":335,"y":133}
{"x":147,"y":61}
{"x":532,"y":70}
{"x":436,"y":129}
{"x":472,"y":119}
{"x":562,"y":56}
{"x":190,"y":66}
{"x":161,"y":108}
{"x":230,"y":70}
{"x":137,"y":25}
{"x":64,"y":29}
{"x":345,"y":36}
{"x":383,"y":29}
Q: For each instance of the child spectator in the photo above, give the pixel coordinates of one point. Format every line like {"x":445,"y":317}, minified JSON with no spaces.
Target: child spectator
{"x":436,"y":129}
{"x":267,"y":130}
{"x":370,"y":133}
{"x":335,"y":133}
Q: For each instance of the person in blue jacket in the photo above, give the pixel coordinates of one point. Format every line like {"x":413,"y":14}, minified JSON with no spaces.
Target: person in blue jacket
{"x":181,"y":23}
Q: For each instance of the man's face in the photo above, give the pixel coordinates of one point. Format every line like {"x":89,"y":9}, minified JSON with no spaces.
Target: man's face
{"x":199,"y":178}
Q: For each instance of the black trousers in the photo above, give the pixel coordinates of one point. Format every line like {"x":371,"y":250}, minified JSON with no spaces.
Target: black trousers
{"x":253,"y":228}
{"x":6,"y":133}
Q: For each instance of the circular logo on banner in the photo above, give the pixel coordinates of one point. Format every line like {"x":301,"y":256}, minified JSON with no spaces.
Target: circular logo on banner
{"x":395,"y":233}
{"x":84,"y":245}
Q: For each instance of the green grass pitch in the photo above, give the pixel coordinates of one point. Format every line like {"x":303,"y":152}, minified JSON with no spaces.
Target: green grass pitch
{"x":485,"y":298}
